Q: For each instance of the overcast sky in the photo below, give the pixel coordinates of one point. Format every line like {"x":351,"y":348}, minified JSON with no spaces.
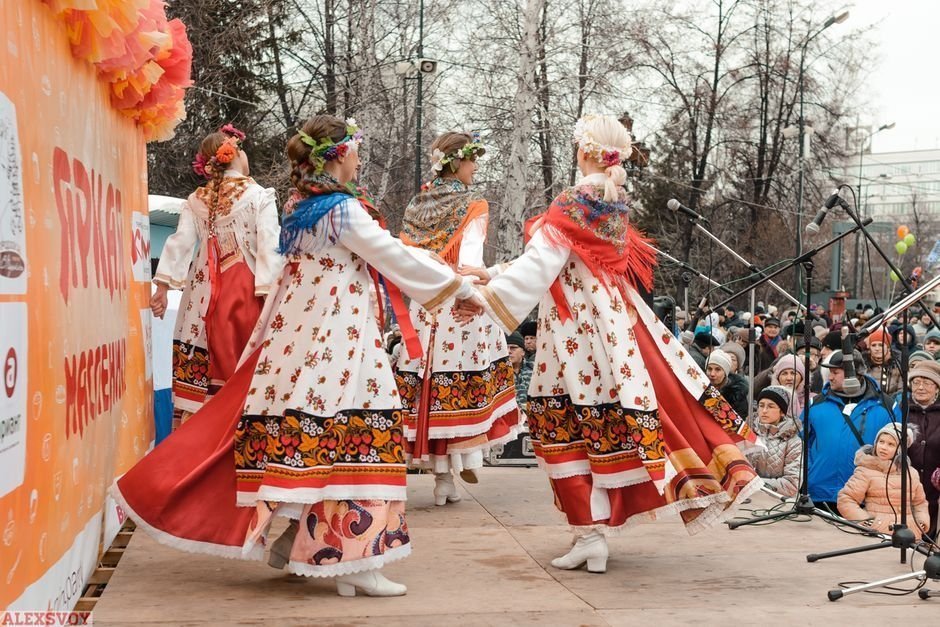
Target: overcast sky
{"x":904,"y":87}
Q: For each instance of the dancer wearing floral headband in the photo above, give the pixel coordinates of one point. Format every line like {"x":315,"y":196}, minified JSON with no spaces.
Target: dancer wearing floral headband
{"x":233,"y":222}
{"x":460,"y":396}
{"x":623,"y":421}
{"x":313,"y":406}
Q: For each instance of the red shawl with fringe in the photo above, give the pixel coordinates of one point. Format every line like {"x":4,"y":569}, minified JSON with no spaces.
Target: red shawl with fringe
{"x":599,"y":233}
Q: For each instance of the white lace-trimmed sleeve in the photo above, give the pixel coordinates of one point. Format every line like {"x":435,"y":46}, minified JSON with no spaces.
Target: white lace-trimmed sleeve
{"x":268,"y":263}
{"x":429,"y":282}
{"x":471,"y":244}
{"x":177,"y":254}
{"x":518,"y":288}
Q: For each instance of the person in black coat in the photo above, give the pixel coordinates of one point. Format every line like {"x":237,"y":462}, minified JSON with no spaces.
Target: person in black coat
{"x":733,"y":387}
{"x":924,"y":416}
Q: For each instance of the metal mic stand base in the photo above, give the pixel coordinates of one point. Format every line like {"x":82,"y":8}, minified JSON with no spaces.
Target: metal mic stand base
{"x":803,"y":505}
{"x":931,"y":571}
{"x":901,"y":538}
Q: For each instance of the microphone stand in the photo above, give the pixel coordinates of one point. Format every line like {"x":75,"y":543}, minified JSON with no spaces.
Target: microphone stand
{"x":908,"y":288}
{"x":902,"y":537}
{"x":803,"y":504}
{"x":686,"y":276}
{"x":751,"y":335}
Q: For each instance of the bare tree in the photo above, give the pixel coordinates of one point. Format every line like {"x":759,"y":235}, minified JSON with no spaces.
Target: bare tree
{"x":524,"y":104}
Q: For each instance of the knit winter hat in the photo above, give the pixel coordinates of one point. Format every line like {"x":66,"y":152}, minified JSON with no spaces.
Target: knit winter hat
{"x":926,"y":369}
{"x":736,"y":349}
{"x":515,"y":339}
{"x":833,"y":340}
{"x":777,"y":394}
{"x":789,"y":362}
{"x":894,"y":430}
{"x":720,"y":359}
{"x":919,"y":356}
{"x":879,"y":335}
{"x":705,"y":339}
{"x":933,"y":334}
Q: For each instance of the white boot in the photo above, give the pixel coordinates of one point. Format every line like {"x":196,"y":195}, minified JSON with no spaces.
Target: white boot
{"x":590,"y":548}
{"x":280,"y":548}
{"x":445,"y":491}
{"x":372,"y":582}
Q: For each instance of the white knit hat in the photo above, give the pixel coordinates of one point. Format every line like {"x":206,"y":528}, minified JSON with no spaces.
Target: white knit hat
{"x":721,"y":359}
{"x":894,"y":430}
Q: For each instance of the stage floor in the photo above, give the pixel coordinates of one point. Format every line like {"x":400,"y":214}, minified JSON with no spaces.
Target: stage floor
{"x":485,"y":561}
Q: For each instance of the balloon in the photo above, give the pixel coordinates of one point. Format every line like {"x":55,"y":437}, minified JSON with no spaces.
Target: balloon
{"x":903,"y":231}
{"x":909,"y":239}
{"x":894,"y":277}
{"x":901,"y":247}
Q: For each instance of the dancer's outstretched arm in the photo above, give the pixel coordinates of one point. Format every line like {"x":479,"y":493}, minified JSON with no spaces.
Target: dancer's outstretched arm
{"x":429,"y":282}
{"x":515,"y":291}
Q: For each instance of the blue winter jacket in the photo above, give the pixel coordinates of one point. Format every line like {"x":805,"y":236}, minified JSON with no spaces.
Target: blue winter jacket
{"x":832,"y":445}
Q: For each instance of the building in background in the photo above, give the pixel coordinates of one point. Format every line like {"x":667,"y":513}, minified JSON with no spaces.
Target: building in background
{"x":894,"y":189}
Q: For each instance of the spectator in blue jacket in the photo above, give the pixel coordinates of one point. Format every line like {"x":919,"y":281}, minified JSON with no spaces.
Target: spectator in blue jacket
{"x":840,"y":424}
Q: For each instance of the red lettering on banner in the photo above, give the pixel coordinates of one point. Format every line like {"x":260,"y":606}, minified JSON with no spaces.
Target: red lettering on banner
{"x":94,"y":383}
{"x":90,"y":212}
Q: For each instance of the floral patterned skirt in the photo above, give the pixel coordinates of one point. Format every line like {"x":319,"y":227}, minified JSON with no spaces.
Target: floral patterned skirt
{"x":637,"y":440}
{"x":469,"y":413}
{"x":339,"y":537}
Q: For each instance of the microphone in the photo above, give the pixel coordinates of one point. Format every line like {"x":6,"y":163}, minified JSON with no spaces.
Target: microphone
{"x":832,"y":201}
{"x":851,"y":385}
{"x":675,"y":205}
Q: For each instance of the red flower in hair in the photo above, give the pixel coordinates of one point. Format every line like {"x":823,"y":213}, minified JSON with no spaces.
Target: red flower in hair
{"x":342,"y":149}
{"x":610,"y":158}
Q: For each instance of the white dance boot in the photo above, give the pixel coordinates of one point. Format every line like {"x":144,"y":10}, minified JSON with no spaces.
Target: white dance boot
{"x":590,"y":549}
{"x":445,"y":491}
{"x":280,"y":548}
{"x":372,"y":582}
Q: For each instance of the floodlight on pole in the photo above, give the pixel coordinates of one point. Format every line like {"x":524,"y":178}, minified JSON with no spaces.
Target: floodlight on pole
{"x":835,"y":19}
{"x":858,"y":281}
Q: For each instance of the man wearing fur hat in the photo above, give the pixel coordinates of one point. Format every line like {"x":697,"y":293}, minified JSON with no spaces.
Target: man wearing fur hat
{"x":840,"y":421}
{"x":732,"y":386}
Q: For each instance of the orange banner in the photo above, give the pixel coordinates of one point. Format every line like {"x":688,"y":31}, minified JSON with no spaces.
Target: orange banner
{"x":76,"y":393}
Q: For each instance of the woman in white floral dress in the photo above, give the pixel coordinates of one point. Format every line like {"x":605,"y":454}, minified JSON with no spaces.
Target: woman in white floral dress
{"x":622,"y":419}
{"x":231,"y":226}
{"x":313,"y":407}
{"x":460,"y":396}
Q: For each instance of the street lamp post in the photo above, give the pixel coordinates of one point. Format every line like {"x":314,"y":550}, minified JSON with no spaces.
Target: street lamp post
{"x":857,"y":282}
{"x":835,"y":19}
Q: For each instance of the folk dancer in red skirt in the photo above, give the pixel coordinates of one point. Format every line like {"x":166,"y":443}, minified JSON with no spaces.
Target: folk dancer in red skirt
{"x":231,"y":225}
{"x":310,"y":427}
{"x":623,"y":421}
{"x":460,"y":396}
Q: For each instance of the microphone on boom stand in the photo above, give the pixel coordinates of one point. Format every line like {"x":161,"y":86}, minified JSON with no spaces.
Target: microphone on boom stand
{"x":832,"y":201}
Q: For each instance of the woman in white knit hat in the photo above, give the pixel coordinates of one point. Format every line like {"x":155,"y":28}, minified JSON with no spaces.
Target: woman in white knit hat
{"x":732,"y":386}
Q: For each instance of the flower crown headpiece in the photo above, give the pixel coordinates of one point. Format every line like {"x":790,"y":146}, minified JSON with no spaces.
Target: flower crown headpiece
{"x":608,"y":155}
{"x":225,"y":154}
{"x":327,"y":150}
{"x":439,"y":159}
